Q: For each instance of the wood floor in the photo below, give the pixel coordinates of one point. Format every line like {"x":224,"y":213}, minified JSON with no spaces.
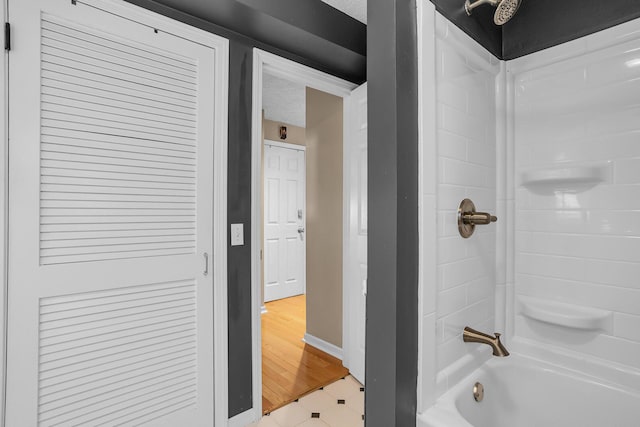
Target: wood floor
{"x":291,"y":368}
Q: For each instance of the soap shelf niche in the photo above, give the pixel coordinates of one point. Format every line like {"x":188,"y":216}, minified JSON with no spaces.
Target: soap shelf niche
{"x":566,"y":315}
{"x":567,"y":177}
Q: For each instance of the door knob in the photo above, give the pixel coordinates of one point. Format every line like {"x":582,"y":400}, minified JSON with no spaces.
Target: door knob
{"x":468,"y":218}
{"x":301,"y":230}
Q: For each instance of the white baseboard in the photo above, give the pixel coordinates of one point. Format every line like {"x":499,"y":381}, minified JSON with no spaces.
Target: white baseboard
{"x":243,"y":419}
{"x":327,"y":347}
{"x":263,"y":309}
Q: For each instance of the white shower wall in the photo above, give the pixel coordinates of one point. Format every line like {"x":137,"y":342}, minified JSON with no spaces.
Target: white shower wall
{"x":576,"y":109}
{"x":466,"y":152}
{"x":460,"y":150}
{"x":486,"y":126}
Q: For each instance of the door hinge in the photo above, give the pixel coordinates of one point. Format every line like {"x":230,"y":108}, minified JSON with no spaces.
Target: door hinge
{"x":7,"y":36}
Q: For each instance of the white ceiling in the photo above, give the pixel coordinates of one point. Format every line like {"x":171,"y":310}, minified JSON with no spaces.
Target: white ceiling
{"x":354,"y":8}
{"x":283,"y":101}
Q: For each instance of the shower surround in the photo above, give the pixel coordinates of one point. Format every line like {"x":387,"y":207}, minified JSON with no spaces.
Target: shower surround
{"x":550,"y":143}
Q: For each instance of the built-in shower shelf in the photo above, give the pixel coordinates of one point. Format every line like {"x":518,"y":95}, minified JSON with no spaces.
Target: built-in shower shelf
{"x":566,"y":315}
{"x":567,"y":177}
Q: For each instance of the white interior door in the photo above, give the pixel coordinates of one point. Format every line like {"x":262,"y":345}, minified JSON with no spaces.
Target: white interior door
{"x":284,"y":221}
{"x":355,"y":264}
{"x":110,"y":214}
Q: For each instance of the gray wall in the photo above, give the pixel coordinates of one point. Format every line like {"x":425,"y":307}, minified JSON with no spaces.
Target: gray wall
{"x":392,"y":294}
{"x":239,"y":211}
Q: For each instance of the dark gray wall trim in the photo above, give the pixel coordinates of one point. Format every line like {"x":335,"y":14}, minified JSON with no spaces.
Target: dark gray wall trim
{"x":392,"y":296}
{"x":347,"y":32}
{"x":296,"y":33}
{"x":239,"y":212}
{"x":205,"y":25}
{"x":408,"y":243}
{"x":541,"y":24}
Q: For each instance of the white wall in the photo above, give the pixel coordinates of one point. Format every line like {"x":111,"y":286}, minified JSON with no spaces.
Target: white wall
{"x":575,"y":106}
{"x":466,"y":151}
{"x":458,"y":143}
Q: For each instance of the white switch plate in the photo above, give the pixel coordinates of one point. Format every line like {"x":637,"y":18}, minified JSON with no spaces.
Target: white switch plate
{"x":237,"y":234}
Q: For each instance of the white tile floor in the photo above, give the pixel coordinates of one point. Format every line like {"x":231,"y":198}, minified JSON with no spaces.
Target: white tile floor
{"x":340,"y":404}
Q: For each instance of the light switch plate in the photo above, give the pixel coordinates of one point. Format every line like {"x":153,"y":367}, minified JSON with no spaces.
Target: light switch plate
{"x":237,"y":234}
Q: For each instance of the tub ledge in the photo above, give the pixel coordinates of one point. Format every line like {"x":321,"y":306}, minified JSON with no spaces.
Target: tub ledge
{"x":441,"y":415}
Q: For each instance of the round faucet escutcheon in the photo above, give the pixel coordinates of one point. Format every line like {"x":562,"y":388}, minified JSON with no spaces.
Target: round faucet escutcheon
{"x":468,"y":218}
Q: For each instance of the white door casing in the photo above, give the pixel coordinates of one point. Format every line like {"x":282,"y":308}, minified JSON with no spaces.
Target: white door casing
{"x":110,"y":293}
{"x":278,"y":66}
{"x":355,"y":236}
{"x":3,"y":210}
{"x":284,"y":220}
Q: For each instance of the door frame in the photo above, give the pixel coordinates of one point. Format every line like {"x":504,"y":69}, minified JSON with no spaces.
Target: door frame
{"x":352,"y":294}
{"x":296,"y":147}
{"x":4,"y":213}
{"x":284,"y":68}
{"x":220,"y":48}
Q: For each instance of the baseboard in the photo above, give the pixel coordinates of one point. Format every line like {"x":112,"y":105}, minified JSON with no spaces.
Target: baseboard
{"x":327,"y":347}
{"x":243,"y":419}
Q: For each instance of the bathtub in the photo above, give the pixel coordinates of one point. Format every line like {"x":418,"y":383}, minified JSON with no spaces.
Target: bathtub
{"x":524,"y":392}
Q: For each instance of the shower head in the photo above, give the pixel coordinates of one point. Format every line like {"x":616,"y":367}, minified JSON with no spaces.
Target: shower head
{"x":505,"y":9}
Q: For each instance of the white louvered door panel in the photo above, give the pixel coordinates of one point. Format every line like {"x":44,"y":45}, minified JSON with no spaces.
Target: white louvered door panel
{"x":111,"y":208}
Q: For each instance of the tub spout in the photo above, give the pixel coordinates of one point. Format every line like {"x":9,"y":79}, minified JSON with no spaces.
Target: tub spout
{"x":471,"y":335}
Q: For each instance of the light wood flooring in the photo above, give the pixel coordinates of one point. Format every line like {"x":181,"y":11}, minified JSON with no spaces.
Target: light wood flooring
{"x":291,"y":368}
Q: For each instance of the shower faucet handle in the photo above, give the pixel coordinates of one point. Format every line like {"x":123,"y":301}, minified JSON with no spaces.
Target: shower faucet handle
{"x":468,"y":218}
{"x":478,"y":218}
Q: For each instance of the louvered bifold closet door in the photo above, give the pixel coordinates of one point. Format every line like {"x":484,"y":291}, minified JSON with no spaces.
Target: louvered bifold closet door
{"x":118,"y":149}
{"x":111,"y":211}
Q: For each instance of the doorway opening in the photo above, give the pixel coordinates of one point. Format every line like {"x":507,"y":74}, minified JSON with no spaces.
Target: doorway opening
{"x":328,"y":307}
{"x":302,"y":243}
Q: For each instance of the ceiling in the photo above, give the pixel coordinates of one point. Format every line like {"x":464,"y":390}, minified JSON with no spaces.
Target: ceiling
{"x":355,"y":8}
{"x":283,"y":101}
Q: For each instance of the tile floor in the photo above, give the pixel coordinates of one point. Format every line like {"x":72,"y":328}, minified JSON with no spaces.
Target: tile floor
{"x":340,"y":404}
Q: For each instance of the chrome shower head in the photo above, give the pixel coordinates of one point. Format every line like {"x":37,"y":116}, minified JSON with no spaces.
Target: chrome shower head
{"x":505,"y":9}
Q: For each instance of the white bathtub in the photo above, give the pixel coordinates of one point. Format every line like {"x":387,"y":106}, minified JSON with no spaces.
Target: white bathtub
{"x":524,"y":392}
